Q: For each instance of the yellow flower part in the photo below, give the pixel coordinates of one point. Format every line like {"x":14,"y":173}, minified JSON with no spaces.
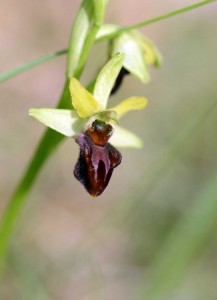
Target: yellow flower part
{"x":132,"y":103}
{"x":87,"y":108}
{"x":83,"y":102}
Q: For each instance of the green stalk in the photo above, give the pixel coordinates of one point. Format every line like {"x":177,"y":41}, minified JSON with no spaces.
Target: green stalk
{"x":49,"y":142}
{"x":46,"y":147}
{"x":11,"y":73}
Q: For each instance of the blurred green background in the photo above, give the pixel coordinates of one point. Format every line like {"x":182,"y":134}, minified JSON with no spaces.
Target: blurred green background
{"x":153,"y":233}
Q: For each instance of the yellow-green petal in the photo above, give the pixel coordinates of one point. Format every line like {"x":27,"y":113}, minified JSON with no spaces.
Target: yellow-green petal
{"x":106,"y":79}
{"x":125,"y":138}
{"x":82,"y":100}
{"x":64,"y":121}
{"x":132,"y":103}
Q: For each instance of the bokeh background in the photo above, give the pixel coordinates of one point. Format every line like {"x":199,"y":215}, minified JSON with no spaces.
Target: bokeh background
{"x":136,"y":239}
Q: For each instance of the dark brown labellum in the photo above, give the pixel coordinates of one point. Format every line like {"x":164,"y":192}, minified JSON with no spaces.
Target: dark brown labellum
{"x":97,"y":158}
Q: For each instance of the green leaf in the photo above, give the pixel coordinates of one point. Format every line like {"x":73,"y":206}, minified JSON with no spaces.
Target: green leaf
{"x":132,"y":103}
{"x":134,"y":60}
{"x":82,"y":100}
{"x":64,"y":121}
{"x":125,"y":138}
{"x":99,"y":10}
{"x":106,"y":79}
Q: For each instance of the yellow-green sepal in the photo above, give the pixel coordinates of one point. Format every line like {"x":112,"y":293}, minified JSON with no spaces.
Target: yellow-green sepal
{"x":83,"y":101}
{"x":125,"y":138}
{"x":106,"y":79}
{"x":132,"y":103}
{"x":64,"y":121}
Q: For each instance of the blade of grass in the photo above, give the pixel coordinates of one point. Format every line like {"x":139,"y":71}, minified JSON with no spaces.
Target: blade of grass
{"x":11,"y":73}
{"x":185,"y":242}
{"x":166,"y":16}
{"x":34,"y":63}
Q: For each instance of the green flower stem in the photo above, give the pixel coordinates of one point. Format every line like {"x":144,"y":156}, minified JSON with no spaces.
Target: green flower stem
{"x":9,"y":74}
{"x":49,"y":142}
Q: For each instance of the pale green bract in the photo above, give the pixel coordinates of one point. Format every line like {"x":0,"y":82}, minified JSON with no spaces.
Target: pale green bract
{"x":88,"y":107}
{"x":78,"y":36}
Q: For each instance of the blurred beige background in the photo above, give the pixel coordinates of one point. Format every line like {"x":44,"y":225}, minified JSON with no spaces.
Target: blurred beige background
{"x":68,"y":245}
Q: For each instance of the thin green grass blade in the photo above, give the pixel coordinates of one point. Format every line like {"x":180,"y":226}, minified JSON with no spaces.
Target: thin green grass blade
{"x":34,"y":63}
{"x":168,"y":15}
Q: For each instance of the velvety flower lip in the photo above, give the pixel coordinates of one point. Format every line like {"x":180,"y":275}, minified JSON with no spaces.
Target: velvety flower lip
{"x":96,"y":162}
{"x":92,"y":125}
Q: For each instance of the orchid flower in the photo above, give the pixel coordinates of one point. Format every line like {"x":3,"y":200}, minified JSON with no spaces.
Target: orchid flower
{"x":92,"y":124}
